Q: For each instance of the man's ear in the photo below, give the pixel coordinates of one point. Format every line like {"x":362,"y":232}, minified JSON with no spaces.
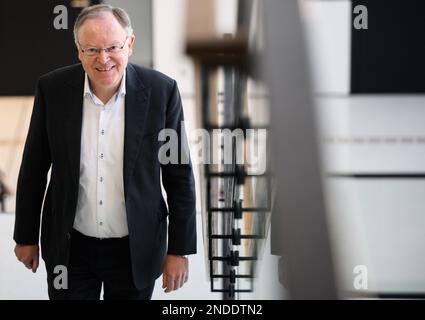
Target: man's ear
{"x":130,"y":44}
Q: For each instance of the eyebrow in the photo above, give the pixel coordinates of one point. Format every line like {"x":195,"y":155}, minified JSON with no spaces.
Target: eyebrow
{"x":114,"y":43}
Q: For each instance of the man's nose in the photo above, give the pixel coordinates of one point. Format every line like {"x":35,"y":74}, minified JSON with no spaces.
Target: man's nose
{"x":103,"y":57}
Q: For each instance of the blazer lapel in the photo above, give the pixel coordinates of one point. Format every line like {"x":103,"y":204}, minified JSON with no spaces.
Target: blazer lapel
{"x":73,"y":108}
{"x":136,"y":107}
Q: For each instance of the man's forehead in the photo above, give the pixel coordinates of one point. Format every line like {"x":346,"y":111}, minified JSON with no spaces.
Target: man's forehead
{"x":103,"y":28}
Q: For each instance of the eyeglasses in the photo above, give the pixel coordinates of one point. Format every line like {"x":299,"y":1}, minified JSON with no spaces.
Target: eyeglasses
{"x":111,"y":49}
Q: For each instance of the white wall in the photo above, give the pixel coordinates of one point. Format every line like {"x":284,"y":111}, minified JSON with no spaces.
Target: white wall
{"x":374,"y":222}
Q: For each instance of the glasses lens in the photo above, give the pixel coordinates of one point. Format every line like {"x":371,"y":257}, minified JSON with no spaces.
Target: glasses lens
{"x":90,"y":51}
{"x":112,"y":49}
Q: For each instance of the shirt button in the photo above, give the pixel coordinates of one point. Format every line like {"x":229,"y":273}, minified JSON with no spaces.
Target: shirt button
{"x":100,"y":202}
{"x":100,"y":223}
{"x":101,"y":179}
{"x":102,"y":132}
{"x":101,"y":156}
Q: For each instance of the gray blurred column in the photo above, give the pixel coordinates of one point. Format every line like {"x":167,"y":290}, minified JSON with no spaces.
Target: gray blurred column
{"x":299,"y":229}
{"x":140,"y":12}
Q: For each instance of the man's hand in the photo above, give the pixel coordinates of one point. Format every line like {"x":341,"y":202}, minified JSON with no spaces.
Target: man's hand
{"x":28,"y":255}
{"x":176,"y":272}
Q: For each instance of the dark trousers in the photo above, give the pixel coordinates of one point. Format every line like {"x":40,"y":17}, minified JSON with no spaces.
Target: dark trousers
{"x":94,"y":262}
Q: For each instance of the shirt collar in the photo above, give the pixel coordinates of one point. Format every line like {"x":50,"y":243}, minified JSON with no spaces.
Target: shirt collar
{"x":121,"y":90}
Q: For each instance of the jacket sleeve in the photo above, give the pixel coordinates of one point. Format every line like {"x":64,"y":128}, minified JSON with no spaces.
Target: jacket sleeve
{"x":179,"y":185}
{"x":32,"y":177}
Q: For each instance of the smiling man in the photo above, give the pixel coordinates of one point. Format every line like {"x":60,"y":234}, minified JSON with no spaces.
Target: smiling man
{"x":96,"y":125}
{"x":104,"y":67}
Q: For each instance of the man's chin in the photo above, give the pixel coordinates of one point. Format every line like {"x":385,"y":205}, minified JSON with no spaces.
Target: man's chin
{"x":107,"y":83}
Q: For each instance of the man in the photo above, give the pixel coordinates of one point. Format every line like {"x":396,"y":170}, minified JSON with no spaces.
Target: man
{"x":4,"y":192}
{"x":96,"y":126}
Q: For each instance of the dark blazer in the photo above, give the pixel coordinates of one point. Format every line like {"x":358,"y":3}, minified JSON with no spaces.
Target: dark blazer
{"x":152,"y":102}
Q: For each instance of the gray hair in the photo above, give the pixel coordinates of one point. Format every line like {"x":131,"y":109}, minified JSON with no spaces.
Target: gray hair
{"x":97,"y":11}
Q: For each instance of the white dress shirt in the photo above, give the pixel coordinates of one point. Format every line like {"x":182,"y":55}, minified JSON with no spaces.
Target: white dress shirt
{"x":101,"y":205}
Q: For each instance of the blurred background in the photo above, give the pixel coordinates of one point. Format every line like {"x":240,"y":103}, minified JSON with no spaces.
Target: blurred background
{"x":329,"y":200}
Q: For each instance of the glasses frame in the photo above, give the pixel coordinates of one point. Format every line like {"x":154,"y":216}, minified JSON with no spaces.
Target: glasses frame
{"x":99,"y":50}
